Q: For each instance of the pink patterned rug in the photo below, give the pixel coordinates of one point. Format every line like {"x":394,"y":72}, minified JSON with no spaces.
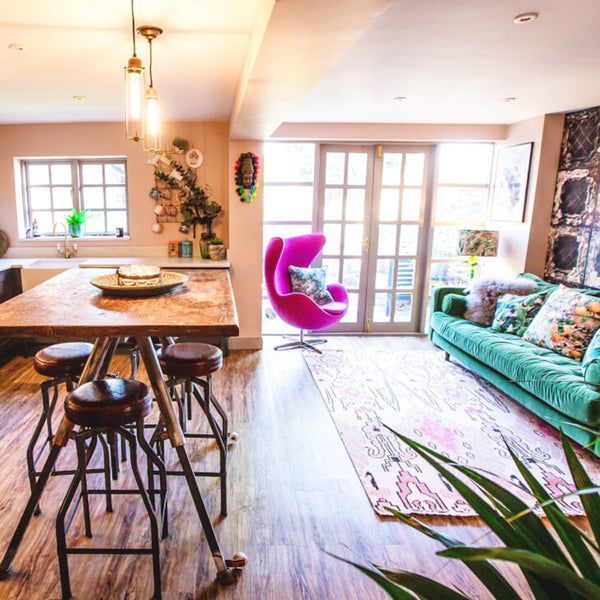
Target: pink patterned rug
{"x":441,"y":405}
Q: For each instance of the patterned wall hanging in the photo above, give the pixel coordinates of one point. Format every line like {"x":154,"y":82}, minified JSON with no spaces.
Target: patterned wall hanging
{"x":246,"y":173}
{"x":574,"y":249}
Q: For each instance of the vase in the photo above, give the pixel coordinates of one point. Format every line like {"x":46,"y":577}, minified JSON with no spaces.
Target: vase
{"x":204,"y":252}
{"x":75,"y":229}
{"x":217,"y":251}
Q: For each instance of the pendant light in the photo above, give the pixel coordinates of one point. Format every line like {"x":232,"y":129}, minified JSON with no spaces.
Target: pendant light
{"x":135,"y":84}
{"x":152,"y":123}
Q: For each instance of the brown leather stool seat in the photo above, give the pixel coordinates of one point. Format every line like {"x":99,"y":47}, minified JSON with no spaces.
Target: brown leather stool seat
{"x":108,"y":403}
{"x":60,"y":360}
{"x":191,"y":359}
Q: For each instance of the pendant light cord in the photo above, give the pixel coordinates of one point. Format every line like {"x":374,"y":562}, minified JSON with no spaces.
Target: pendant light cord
{"x":150,"y":67}
{"x":133,"y":28}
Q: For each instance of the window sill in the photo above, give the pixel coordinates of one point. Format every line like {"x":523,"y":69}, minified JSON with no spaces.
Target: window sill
{"x":83,"y":238}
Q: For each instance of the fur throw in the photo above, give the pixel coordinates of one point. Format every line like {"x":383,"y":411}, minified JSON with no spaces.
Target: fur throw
{"x":483,"y":295}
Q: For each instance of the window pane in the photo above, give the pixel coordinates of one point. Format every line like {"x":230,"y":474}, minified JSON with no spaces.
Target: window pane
{"x":461,"y":204}
{"x":289,"y":162}
{"x":413,"y":168}
{"x":60,"y":216}
{"x":406,"y":273}
{"x":351,"y":278}
{"x":114,"y":174}
{"x":334,"y":170}
{"x":44,"y":220}
{"x":91,"y":174}
{"x":388,"y":208}
{"x":61,"y":174}
{"x":334,"y":203}
{"x":357,"y":168}
{"x":95,"y":224}
{"x":288,"y":203}
{"x":353,"y":239}
{"x":445,"y":240}
{"x":114,"y":219}
{"x":382,"y":308}
{"x":385,"y":273}
{"x":333,"y":235}
{"x":387,"y":239}
{"x":355,"y":205}
{"x":61,"y":197}
{"x":403,"y":308}
{"x":115,"y":197}
{"x":93,"y":197}
{"x":411,"y":205}
{"x":333,"y":269}
{"x":465,"y":163}
{"x":39,"y":198}
{"x":392,"y":168}
{"x":38,"y":175}
{"x":409,"y":237}
{"x":284,"y":231}
{"x":352,"y":315}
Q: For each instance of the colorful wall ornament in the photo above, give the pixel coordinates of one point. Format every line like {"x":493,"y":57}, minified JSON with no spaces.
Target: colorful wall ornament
{"x":246,"y":173}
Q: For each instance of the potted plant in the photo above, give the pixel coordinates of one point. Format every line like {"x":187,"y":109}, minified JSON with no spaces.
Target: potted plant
{"x":217,"y":249}
{"x":76,"y":220}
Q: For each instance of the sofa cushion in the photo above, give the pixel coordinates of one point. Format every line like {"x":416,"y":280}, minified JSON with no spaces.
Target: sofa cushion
{"x":515,"y":313}
{"x":566,"y":322}
{"x":454,"y":304}
{"x":310,"y":282}
{"x":552,"y":377}
{"x":590,"y":364}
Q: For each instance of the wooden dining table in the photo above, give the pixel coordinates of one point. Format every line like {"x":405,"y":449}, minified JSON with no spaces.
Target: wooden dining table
{"x":69,"y":306}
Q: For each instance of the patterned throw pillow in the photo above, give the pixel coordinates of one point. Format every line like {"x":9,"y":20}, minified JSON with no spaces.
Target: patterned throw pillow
{"x":515,"y":313}
{"x":590,"y":364}
{"x":310,"y":282}
{"x":565,"y":323}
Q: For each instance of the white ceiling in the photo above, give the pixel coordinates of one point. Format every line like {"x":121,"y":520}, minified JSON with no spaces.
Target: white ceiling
{"x":454,"y":60}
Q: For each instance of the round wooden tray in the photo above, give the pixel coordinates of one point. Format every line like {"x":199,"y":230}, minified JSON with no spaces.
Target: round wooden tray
{"x":109,"y":284}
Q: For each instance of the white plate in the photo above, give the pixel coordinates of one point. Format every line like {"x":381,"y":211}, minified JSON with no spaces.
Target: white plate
{"x":193,"y":158}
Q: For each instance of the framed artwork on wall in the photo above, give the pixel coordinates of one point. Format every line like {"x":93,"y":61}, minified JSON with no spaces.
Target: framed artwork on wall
{"x":510,"y":183}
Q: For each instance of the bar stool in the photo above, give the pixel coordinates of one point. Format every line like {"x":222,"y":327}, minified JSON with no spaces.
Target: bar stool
{"x":191,"y":365}
{"x":98,"y":407}
{"x":62,"y":363}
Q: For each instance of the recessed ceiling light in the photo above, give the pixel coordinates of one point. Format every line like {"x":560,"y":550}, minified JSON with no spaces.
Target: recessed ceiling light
{"x":78,"y":98}
{"x":509,"y":99}
{"x":16,"y":47}
{"x":525,"y":18}
{"x":400,"y":98}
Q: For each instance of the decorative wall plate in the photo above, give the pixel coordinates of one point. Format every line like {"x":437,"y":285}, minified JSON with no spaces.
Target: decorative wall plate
{"x":193,"y":158}
{"x":3,"y":243}
{"x":110,"y":285}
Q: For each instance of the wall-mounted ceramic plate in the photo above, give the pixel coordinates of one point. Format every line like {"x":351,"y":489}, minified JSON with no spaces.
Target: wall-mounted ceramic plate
{"x":3,"y":243}
{"x":193,"y":158}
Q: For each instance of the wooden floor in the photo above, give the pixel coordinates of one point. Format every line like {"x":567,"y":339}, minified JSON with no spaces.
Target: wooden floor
{"x":294,"y":496}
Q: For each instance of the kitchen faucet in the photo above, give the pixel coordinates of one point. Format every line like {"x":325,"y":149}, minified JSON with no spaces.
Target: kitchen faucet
{"x":67,"y":251}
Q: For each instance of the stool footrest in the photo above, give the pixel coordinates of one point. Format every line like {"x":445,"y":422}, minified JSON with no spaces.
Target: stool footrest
{"x":109,"y":551}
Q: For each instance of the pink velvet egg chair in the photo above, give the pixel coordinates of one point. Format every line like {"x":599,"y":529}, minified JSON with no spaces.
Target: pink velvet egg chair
{"x":295,"y":308}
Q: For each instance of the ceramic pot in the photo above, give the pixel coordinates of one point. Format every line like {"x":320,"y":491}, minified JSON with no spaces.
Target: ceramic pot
{"x":217,"y":251}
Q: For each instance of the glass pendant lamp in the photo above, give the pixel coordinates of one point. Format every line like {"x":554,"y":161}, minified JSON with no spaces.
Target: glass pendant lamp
{"x":135,"y":84}
{"x":152,"y":117}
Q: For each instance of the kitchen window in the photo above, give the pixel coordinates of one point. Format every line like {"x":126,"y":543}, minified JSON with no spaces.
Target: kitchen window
{"x":52,"y":188}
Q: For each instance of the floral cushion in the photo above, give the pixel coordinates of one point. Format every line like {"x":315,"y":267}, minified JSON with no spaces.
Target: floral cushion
{"x":565,"y":323}
{"x":515,"y":313}
{"x":590,"y":364}
{"x":310,"y":282}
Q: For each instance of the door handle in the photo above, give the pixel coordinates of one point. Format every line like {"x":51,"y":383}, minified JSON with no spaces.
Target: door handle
{"x":366,"y":244}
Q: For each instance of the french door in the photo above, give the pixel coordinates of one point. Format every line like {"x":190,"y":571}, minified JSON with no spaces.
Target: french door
{"x":374,"y":212}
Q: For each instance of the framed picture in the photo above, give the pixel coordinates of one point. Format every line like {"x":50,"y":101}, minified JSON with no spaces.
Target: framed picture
{"x":510,"y":183}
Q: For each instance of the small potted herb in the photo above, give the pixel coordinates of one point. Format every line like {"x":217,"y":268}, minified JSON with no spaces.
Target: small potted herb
{"x":217,"y":249}
{"x":76,"y":220}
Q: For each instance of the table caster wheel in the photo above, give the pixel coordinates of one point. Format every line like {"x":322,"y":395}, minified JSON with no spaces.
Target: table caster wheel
{"x":232,"y":438}
{"x":226,"y":577}
{"x":238,"y":561}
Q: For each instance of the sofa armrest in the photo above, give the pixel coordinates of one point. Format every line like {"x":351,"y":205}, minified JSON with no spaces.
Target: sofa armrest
{"x":440,"y":293}
{"x":454,"y":305}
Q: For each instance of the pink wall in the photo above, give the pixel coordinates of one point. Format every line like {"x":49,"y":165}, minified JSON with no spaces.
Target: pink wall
{"x":108,"y":139}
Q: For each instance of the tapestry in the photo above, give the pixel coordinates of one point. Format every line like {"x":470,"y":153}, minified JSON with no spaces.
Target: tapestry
{"x":446,"y":408}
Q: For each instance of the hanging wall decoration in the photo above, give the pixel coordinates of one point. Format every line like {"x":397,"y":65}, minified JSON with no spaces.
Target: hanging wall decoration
{"x":246,"y":173}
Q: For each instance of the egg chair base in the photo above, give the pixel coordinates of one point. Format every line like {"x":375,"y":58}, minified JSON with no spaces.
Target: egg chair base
{"x":300,"y":342}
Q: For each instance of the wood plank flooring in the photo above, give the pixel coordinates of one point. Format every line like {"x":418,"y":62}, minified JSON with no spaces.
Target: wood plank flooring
{"x":294,"y":495}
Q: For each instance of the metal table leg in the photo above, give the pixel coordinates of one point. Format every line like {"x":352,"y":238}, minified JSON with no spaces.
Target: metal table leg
{"x":93,"y":368}
{"x":225,"y":568}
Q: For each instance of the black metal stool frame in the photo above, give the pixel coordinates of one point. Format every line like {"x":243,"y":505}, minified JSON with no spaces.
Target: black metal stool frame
{"x":80,"y":479}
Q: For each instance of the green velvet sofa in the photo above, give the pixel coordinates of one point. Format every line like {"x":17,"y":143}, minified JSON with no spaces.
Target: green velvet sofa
{"x":547,"y":383}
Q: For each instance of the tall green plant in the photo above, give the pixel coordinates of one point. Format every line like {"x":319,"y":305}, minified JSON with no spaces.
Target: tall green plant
{"x":566,"y":571}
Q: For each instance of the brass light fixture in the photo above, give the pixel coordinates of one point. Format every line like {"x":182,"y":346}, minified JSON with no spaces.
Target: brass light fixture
{"x":135,"y":84}
{"x":152,"y":123}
